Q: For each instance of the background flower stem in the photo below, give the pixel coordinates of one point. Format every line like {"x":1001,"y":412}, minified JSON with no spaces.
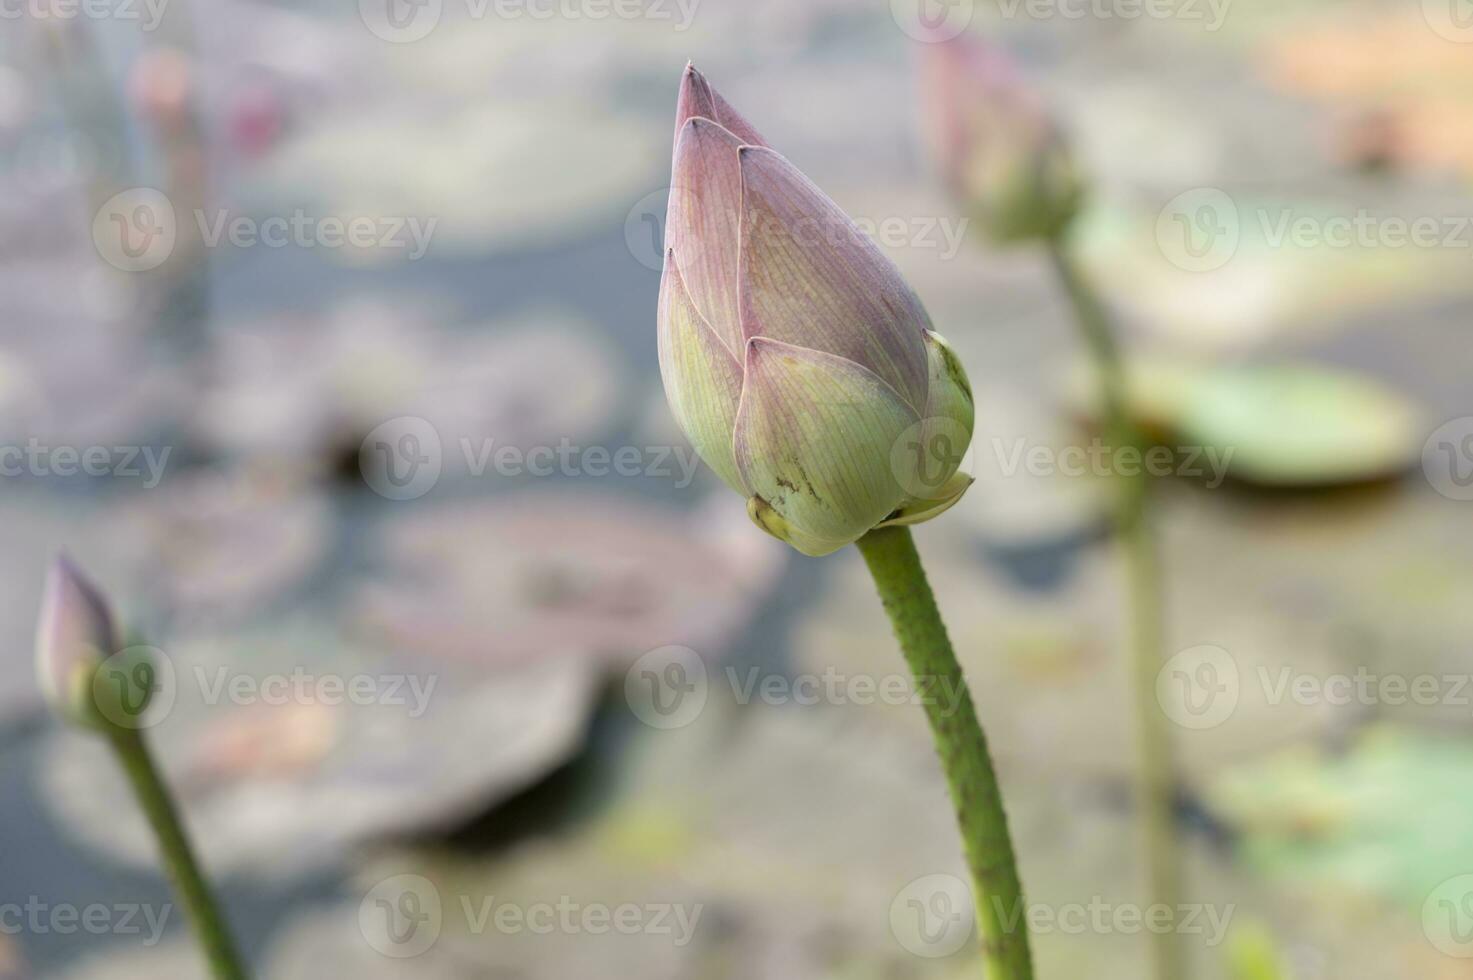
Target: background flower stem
{"x":1001,"y":915}
{"x":1156,"y":785}
{"x":183,"y":870}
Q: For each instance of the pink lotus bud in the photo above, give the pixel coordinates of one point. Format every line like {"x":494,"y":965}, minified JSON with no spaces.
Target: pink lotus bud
{"x":994,"y":141}
{"x":74,"y":635}
{"x":799,"y":364}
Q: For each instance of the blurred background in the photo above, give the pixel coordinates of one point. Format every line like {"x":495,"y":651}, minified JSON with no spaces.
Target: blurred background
{"x":327,"y":346}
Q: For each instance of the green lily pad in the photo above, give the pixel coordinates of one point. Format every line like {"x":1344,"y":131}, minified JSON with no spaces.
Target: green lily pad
{"x":1285,"y":425}
{"x":1385,"y":819}
{"x":1299,"y":426}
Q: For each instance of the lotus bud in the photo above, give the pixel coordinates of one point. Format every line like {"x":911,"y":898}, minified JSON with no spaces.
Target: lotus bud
{"x":997,"y":147}
{"x":795,"y":358}
{"x":75,"y":635}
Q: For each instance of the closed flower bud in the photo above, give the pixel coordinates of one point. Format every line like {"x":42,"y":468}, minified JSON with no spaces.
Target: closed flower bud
{"x":74,"y":636}
{"x":995,"y":144}
{"x":799,"y":364}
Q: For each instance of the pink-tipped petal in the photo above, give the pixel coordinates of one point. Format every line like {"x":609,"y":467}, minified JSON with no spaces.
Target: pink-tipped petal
{"x":698,"y":98}
{"x":74,"y":634}
{"x":703,"y":224}
{"x":810,"y":277}
{"x":703,"y":382}
{"x":814,"y":438}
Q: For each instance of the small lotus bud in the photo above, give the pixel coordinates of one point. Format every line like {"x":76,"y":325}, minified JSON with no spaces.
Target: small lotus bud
{"x":74,"y":636}
{"x":996,"y":145}
{"x":795,"y":358}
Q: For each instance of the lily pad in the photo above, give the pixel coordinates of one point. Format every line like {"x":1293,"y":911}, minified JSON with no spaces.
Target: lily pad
{"x":1384,"y":819}
{"x":286,"y":747}
{"x":1302,"y":426}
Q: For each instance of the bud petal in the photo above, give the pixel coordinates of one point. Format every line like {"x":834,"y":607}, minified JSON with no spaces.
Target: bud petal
{"x":949,"y":407}
{"x":813,"y":440}
{"x":703,"y":224}
{"x":698,"y":98}
{"x":74,"y":635}
{"x":920,"y":510}
{"x":811,"y":278}
{"x":703,"y":381}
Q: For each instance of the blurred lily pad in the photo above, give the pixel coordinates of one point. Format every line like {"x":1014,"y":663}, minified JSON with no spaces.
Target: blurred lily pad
{"x":1286,"y":425}
{"x":517,"y":578}
{"x":287,"y":746}
{"x":224,"y":543}
{"x":1302,"y":426}
{"x":1386,"y":818}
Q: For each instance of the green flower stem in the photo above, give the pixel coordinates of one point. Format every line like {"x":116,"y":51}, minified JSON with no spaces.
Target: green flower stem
{"x":891,"y":555}
{"x":179,"y":861}
{"x":1155,"y":790}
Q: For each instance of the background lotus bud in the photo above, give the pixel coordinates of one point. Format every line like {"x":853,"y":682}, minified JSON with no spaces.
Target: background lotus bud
{"x":996,"y":145}
{"x":75,"y":636}
{"x":797,"y":361}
